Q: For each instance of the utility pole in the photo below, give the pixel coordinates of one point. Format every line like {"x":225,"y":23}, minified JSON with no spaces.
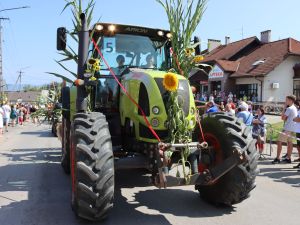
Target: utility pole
{"x":20,"y":80}
{"x":2,"y":83}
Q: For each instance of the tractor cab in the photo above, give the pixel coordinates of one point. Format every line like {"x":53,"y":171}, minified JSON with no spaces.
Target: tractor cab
{"x":124,"y":48}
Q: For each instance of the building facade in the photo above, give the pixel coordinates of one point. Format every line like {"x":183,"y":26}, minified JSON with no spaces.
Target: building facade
{"x":260,"y":70}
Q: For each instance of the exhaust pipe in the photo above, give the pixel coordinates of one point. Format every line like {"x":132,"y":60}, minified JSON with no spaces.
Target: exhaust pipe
{"x":81,"y":103}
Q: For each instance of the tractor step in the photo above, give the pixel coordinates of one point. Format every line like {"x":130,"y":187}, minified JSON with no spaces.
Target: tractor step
{"x":132,"y":162}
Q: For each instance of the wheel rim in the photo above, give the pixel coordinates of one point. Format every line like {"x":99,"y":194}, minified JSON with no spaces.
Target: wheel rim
{"x":214,"y":142}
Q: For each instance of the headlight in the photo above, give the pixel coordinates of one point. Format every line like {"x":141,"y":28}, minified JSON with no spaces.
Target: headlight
{"x":155,"y":122}
{"x":155,"y":110}
{"x":192,"y":123}
{"x":160,"y":33}
{"x":169,"y":35}
{"x":111,"y":28}
{"x":99,"y":27}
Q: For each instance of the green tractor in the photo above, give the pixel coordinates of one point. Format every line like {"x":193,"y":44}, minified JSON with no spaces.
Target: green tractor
{"x":108,"y":128}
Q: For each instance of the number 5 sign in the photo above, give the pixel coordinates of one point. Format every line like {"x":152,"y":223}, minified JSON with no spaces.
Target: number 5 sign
{"x":109,"y":45}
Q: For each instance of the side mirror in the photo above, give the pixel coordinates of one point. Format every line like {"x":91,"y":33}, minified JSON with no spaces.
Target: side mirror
{"x":197,"y":48}
{"x":61,"y":39}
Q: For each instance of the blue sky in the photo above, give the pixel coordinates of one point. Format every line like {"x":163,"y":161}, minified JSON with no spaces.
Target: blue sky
{"x":29,"y":38}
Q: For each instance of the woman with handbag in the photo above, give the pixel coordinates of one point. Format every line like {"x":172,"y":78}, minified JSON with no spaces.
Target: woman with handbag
{"x":259,"y":129}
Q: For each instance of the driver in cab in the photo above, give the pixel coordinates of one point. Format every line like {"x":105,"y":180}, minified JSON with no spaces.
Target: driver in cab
{"x":111,"y":84}
{"x":150,"y":62}
{"x":120,"y":68}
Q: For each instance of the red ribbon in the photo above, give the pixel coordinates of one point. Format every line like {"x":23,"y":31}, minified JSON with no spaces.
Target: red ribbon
{"x":128,"y":95}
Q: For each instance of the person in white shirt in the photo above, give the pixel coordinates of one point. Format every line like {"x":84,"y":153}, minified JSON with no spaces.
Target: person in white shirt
{"x":297,"y":130}
{"x":6,"y":108}
{"x":1,"y":121}
{"x":229,"y":110}
{"x":287,"y":133}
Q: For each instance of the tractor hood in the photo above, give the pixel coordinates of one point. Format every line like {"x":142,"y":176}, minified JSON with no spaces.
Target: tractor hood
{"x":153,"y":79}
{"x":145,"y":86}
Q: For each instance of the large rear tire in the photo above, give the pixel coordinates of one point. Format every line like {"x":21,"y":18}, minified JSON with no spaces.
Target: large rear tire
{"x":92,"y":167}
{"x":227,"y":133}
{"x":65,"y":154}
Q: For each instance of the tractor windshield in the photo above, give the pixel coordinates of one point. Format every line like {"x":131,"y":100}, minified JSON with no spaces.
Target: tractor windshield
{"x":123,"y":50}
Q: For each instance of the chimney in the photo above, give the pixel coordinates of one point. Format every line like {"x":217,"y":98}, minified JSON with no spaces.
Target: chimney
{"x":265,"y":36}
{"x":212,"y":44}
{"x":227,"y":40}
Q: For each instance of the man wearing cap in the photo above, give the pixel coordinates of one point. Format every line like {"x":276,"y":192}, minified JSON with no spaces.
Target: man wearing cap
{"x":245,"y":114}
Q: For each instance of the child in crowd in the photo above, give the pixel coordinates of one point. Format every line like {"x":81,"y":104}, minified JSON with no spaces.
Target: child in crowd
{"x":259,"y":129}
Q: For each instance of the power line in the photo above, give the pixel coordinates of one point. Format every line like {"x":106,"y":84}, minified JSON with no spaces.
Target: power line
{"x":2,"y":82}
{"x":22,"y":7}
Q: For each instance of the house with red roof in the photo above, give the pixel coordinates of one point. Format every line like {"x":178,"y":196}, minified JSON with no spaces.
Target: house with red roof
{"x":256,"y":68}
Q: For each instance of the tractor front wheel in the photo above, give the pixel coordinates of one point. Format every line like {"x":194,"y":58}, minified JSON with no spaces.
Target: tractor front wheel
{"x":92,"y":166}
{"x":224,"y":134}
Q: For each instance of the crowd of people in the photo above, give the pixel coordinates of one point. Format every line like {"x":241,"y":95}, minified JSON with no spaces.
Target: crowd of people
{"x":257,"y":121}
{"x":15,"y":114}
{"x":221,"y":96}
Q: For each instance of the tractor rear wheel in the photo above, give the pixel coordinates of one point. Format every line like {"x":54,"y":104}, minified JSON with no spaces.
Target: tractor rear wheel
{"x":226,"y":133}
{"x":92,"y":166}
{"x":65,"y":154}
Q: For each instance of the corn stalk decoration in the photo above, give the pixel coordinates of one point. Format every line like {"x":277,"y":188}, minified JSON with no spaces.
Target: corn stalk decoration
{"x":70,"y":54}
{"x":47,"y":109}
{"x":184,"y":17}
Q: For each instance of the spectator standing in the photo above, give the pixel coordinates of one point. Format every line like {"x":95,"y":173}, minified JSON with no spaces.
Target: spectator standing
{"x":230,"y":101}
{"x":245,"y":114}
{"x":230,"y":96}
{"x":297,"y":130}
{"x":211,"y":98}
{"x":229,"y":110}
{"x":250,"y":108}
{"x":20,"y":115}
{"x":259,"y":129}
{"x":235,"y":99}
{"x":33,"y":109}
{"x":13,"y":115}
{"x":222,"y":107}
{"x":1,"y":121}
{"x":287,"y":133}
{"x":6,"y":109}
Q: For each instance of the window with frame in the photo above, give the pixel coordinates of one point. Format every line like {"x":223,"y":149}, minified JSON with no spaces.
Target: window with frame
{"x":296,"y":89}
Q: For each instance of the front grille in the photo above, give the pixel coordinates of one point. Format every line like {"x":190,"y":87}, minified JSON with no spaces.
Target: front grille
{"x":144,"y":100}
{"x":183,"y":94}
{"x":145,"y":132}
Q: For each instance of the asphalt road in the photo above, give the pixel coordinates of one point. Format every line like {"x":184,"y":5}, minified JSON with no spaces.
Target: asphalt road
{"x":35,"y":191}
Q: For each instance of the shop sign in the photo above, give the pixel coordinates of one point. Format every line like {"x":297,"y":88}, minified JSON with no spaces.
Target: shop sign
{"x":216,"y":72}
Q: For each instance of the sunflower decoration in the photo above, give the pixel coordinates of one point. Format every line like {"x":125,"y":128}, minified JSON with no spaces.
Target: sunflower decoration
{"x":170,"y":82}
{"x":198,"y":58}
{"x":189,"y":51}
{"x":94,"y":64}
